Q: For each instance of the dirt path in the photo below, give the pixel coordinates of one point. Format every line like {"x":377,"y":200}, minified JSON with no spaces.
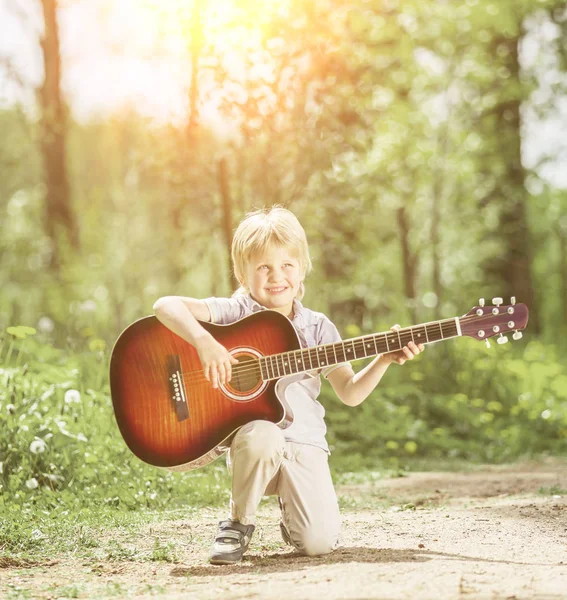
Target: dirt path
{"x":497,"y":532}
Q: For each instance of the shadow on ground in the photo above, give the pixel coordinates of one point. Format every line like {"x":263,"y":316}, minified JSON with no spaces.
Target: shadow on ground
{"x":293,"y":561}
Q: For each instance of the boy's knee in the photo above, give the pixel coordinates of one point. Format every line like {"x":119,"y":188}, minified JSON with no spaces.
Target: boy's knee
{"x":259,"y":438}
{"x":314,"y":543}
{"x":316,"y":539}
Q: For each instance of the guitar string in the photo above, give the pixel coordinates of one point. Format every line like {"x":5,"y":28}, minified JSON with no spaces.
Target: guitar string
{"x":196,"y":376}
{"x":255,"y":367}
{"x":199,"y":377}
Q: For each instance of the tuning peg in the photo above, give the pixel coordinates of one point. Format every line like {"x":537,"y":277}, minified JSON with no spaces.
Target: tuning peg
{"x":487,"y":342}
{"x":517,"y":335}
{"x":502,"y":339}
{"x":497,"y":301}
{"x":481,"y":302}
{"x":513,"y":300}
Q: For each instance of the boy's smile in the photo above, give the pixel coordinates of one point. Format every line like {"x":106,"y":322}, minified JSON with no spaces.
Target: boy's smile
{"x":273,"y":278}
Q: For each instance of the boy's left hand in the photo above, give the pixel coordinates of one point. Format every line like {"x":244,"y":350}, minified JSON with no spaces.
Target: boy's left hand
{"x":406,"y":353}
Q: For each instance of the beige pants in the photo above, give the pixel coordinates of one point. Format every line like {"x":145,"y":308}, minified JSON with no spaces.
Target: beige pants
{"x":262,"y":463}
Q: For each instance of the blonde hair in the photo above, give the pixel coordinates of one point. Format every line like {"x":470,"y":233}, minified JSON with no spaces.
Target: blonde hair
{"x":262,"y":228}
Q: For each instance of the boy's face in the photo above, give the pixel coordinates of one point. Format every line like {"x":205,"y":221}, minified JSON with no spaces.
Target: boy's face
{"x":273,"y":278}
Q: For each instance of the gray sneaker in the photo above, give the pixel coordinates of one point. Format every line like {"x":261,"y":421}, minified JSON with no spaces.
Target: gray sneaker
{"x":231,"y":542}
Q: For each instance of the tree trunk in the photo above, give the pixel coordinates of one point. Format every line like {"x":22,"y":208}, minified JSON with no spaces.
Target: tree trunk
{"x":227,"y":216}
{"x":196,"y":49}
{"x":562,"y":236}
{"x":409,"y":262}
{"x":60,"y":219}
{"x":511,"y":271}
{"x":436,"y":275}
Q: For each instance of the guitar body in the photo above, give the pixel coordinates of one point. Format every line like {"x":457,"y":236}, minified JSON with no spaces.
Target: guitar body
{"x":190,"y":425}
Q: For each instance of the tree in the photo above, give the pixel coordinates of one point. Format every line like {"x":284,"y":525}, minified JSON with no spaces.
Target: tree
{"x":61,"y":222}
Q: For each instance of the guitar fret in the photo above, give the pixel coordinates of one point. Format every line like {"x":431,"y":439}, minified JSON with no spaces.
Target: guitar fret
{"x":328,"y":354}
{"x":287,"y":363}
{"x":408,"y":333}
{"x":393,"y":342}
{"x":419,"y":333}
{"x":284,"y":363}
{"x":351,"y":352}
{"x":262,"y":376}
{"x":375,"y":346}
{"x":352,"y":349}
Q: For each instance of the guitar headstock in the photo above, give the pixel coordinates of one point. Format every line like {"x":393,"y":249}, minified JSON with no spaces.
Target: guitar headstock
{"x":483,"y":322}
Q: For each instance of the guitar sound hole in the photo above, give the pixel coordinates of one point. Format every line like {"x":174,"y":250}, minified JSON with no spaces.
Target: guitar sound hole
{"x":246,"y":374}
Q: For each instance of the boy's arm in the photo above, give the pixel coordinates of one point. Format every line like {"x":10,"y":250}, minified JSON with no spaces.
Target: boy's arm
{"x":181,"y":315}
{"x":353,"y":389}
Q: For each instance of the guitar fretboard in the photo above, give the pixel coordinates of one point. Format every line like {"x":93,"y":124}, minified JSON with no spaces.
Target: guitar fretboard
{"x":275,"y":366}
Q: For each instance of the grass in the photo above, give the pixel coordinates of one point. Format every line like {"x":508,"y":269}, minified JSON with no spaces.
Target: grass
{"x":554,"y":490}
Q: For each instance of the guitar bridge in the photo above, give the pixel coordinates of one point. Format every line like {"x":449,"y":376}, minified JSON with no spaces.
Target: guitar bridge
{"x":177,"y":387}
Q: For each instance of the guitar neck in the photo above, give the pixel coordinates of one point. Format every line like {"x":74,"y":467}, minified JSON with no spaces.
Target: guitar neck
{"x":275,"y":366}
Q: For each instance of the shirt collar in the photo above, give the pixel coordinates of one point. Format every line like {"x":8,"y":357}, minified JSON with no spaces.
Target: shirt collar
{"x":298,"y":310}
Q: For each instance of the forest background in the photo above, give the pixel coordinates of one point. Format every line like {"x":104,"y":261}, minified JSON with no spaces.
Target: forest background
{"x":421,"y":145}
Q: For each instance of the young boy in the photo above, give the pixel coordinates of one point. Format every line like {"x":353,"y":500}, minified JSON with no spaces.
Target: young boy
{"x":271,"y":260}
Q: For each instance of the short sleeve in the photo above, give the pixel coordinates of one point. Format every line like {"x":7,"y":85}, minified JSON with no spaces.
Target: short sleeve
{"x":328,"y":334}
{"x":224,"y":310}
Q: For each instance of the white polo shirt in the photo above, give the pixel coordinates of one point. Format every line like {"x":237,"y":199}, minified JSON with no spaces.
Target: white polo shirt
{"x":313,"y":329}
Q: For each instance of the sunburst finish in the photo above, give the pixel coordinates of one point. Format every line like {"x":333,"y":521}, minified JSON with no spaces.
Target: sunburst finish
{"x":145,"y":411}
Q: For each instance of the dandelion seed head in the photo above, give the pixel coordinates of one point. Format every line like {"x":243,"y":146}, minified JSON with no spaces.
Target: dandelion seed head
{"x":72,"y":397}
{"x":46,"y":325}
{"x":38,"y":446}
{"x":32,"y":483}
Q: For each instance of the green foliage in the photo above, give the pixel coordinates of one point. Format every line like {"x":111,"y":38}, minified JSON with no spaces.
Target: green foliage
{"x":464,"y":402}
{"x":61,"y":449}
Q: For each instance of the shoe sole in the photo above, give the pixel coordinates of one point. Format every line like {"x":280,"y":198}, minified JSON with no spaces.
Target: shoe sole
{"x":220,"y":561}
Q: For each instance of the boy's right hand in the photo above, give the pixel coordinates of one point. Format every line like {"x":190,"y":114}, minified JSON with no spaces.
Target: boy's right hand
{"x":216,"y":360}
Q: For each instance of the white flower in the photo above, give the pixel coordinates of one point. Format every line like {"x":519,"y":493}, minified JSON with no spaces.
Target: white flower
{"x":81,"y":437}
{"x":36,"y":534}
{"x":32,"y":483}
{"x":72,"y":397}
{"x":10,"y":408}
{"x":45,"y":324}
{"x":38,"y":446}
{"x":88,"y":306}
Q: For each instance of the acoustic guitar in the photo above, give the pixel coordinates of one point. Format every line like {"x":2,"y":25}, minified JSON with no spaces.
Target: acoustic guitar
{"x":170,"y":416}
